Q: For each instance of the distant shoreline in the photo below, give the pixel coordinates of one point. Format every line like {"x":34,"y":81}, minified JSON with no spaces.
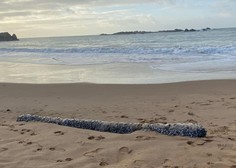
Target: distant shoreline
{"x":161,"y":31}
{"x":95,"y":34}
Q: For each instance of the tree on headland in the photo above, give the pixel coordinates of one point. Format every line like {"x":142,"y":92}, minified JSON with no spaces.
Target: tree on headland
{"x":161,"y":31}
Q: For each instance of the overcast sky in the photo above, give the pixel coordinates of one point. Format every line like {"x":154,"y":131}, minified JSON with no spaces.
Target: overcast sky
{"x":40,"y":18}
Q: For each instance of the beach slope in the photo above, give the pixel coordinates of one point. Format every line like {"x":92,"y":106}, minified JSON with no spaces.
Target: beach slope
{"x":27,"y":145}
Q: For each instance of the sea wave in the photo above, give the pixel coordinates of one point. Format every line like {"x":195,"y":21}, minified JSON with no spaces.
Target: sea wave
{"x":200,"y":50}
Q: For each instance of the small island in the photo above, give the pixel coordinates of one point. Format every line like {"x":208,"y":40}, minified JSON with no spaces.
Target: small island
{"x":5,"y":36}
{"x":161,"y":31}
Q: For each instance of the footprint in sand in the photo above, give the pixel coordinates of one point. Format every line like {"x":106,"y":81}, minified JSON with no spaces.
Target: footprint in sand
{"x":144,"y":138}
{"x":124,"y":116}
{"x":97,"y":138}
{"x":59,"y":133}
{"x":56,"y":149}
{"x":167,"y":163}
{"x":190,"y":143}
{"x":190,"y":113}
{"x":26,"y":130}
{"x":123,"y":153}
{"x":23,"y":131}
{"x":222,"y":130}
{"x":14,"y":130}
{"x":92,"y":153}
{"x":7,"y":110}
{"x":52,"y":148}
{"x":59,"y":160}
{"x":188,"y":107}
{"x":28,"y":143}
{"x":199,"y":142}
{"x":104,"y":112}
{"x":32,"y":133}
{"x":141,"y":164}
{"x":39,"y":149}
{"x":231,"y":139}
{"x":25,"y":143}
{"x":142,"y":120}
{"x":171,"y":110}
{"x":103,"y":163}
{"x":191,"y":121}
{"x":66,"y":160}
{"x":3,"y":149}
{"x":225,"y":146}
{"x":153,"y":121}
{"x":91,"y":137}
{"x":209,"y":154}
{"x":21,"y":142}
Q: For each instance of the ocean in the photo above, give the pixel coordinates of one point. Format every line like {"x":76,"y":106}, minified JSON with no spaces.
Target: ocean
{"x":136,"y":58}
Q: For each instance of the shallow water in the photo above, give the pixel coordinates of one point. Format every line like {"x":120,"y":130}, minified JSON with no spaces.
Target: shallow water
{"x":148,"y":58}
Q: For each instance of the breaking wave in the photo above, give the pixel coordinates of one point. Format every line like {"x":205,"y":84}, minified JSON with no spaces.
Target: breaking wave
{"x":200,"y":50}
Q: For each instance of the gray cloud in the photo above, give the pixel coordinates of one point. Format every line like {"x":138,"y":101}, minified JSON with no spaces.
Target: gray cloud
{"x":17,"y":9}
{"x":53,"y":4}
{"x":70,"y":17}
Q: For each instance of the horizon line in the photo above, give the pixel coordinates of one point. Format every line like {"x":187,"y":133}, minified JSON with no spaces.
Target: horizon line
{"x":157,"y":31}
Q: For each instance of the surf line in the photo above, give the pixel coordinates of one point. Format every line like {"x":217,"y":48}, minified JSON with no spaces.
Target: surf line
{"x":171,"y":129}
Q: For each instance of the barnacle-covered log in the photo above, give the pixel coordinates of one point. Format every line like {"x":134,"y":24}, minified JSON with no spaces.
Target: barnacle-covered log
{"x":173,"y":129}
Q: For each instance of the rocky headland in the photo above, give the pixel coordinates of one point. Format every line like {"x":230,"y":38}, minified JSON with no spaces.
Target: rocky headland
{"x":8,"y":37}
{"x":161,"y":31}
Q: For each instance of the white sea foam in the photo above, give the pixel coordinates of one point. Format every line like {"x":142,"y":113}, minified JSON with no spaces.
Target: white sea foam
{"x":223,"y":65}
{"x":178,"y":51}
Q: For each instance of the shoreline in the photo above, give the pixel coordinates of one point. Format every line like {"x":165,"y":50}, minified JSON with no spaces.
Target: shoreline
{"x":211,"y":103}
{"x":90,"y":83}
{"x":122,"y":73}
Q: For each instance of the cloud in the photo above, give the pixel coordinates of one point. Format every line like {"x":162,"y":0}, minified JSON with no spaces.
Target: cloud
{"x":29,"y":15}
{"x":71,"y":17}
{"x":16,"y":9}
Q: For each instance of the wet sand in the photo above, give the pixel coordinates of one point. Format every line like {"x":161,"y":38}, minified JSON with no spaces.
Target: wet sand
{"x":27,"y":145}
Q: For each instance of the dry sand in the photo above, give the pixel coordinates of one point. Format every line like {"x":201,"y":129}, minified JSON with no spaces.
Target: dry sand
{"x":41,"y":145}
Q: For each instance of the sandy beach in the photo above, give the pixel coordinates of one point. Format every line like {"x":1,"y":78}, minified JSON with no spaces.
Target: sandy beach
{"x":28,"y":145}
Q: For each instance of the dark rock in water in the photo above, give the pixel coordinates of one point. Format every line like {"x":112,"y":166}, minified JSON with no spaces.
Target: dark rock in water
{"x":190,"y":30}
{"x":206,"y":29}
{"x":7,"y":37}
{"x":128,"y":33}
{"x":175,"y":30}
{"x":103,"y":34}
{"x":14,"y":37}
{"x":132,"y":32}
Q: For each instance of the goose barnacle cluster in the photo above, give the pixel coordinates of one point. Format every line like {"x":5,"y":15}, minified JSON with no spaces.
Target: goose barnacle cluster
{"x":173,"y":129}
